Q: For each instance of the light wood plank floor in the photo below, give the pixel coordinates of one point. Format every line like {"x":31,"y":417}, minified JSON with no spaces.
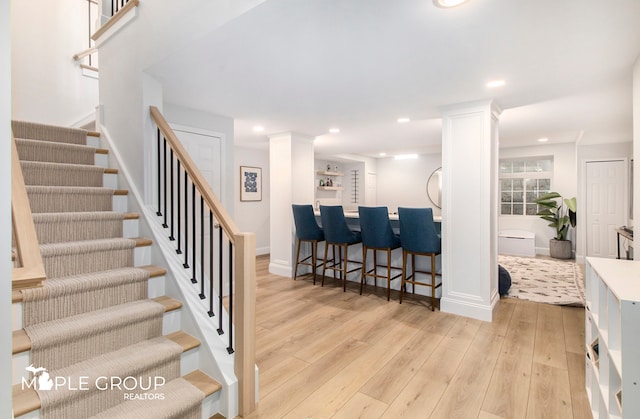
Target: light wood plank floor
{"x":324,"y":353}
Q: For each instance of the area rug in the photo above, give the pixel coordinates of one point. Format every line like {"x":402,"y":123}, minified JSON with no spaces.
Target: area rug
{"x":548,"y":281}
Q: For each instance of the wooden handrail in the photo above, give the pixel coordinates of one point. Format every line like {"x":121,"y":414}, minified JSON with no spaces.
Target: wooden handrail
{"x":201,"y":183}
{"x":84,"y":53}
{"x":244,"y":267}
{"x":30,"y":272}
{"x":115,"y":18}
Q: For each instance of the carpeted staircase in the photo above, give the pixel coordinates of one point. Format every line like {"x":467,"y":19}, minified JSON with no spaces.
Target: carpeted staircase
{"x":92,"y":324}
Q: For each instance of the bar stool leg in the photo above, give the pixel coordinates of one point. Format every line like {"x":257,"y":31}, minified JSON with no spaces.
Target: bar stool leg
{"x":363,"y":274}
{"x":295,"y":272}
{"x":404,"y":273}
{"x":314,"y":258}
{"x":433,"y":281}
{"x":343,"y":272}
{"x":375,"y":268}
{"x":324,"y":263}
{"x":413,"y":273}
{"x":388,"y":274}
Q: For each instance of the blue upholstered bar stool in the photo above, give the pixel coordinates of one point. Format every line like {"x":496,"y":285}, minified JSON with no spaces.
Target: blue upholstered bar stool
{"x":377,"y":235}
{"x":338,"y":233}
{"x":307,"y":230}
{"x":419,"y":238}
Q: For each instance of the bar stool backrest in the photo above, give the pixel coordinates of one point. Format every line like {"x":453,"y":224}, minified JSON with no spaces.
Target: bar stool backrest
{"x":418,"y":231}
{"x":306,"y":226}
{"x":376,"y":228}
{"x":335,"y":225}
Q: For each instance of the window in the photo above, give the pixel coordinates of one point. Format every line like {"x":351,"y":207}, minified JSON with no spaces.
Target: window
{"x":522,"y":181}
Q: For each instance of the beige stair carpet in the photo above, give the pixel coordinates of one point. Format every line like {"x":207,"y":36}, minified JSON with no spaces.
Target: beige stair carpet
{"x":69,"y":296}
{"x":180,"y":400}
{"x":91,"y":318}
{"x":63,"y":342}
{"x":61,"y":174}
{"x":35,"y":131}
{"x":146,"y":360}
{"x":78,"y":226}
{"x":73,"y":258}
{"x":36,"y":150}
{"x":69,"y":199}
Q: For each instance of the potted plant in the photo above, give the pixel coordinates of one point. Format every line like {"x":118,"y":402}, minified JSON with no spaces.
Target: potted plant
{"x":561,"y":214}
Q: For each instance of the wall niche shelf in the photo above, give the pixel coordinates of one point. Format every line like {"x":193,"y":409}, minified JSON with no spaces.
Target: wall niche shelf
{"x":612,"y":341}
{"x":330,"y":188}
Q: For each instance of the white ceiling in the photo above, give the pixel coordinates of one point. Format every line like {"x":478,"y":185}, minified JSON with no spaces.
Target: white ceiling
{"x":308,"y":65}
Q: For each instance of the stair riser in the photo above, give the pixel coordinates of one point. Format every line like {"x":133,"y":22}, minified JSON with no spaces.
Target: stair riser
{"x":62,"y":176}
{"x":74,"y":265}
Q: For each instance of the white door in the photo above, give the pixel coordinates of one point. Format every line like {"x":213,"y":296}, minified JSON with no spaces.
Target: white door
{"x":205,"y":149}
{"x":370,"y":196}
{"x":606,"y":206}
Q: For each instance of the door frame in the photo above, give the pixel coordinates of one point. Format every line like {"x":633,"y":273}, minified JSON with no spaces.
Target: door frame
{"x":581,"y":232}
{"x":223,"y":160}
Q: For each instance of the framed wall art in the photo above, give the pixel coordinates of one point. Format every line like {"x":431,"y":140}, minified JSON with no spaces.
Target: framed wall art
{"x":250,"y":183}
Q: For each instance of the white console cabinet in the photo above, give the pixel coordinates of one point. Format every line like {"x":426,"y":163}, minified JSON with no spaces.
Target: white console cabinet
{"x":612,"y":337}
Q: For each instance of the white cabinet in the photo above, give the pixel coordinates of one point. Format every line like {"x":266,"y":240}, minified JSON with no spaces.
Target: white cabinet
{"x":612,"y":337}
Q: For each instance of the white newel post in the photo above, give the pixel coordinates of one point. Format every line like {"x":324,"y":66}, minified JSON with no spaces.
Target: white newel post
{"x":469,"y":209}
{"x":291,"y":163}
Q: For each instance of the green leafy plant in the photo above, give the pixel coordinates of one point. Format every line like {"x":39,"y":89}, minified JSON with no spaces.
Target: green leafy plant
{"x":560,"y":212}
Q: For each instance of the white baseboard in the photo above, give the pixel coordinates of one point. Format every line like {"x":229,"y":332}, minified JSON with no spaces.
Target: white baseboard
{"x":281,"y":268}
{"x":467,"y":309}
{"x":263,"y":251}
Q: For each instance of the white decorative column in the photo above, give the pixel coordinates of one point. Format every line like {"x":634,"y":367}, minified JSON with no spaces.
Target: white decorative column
{"x":469,"y":209}
{"x":291,"y":163}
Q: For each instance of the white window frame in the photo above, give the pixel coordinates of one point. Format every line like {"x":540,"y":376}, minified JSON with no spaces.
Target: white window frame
{"x":524,"y":176}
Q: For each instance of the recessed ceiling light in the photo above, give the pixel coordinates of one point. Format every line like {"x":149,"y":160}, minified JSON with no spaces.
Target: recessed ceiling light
{"x":382,"y":154}
{"x":543,"y":140}
{"x":403,"y":120}
{"x":495,"y":83}
{"x":405,"y":156}
{"x":258,"y":128}
{"x":334,"y":130}
{"x":448,"y":3}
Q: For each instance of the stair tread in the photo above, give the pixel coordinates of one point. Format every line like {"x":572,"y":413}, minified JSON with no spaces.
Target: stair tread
{"x":22,"y":343}
{"x":27,"y":400}
{"x":203,"y":382}
{"x":93,"y":134}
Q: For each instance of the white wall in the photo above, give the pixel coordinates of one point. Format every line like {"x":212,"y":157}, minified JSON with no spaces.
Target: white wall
{"x":5,"y":211}
{"x":159,"y":29}
{"x":565,"y":182}
{"x":403,"y":183}
{"x":207,"y":121}
{"x":253,"y":216}
{"x":47,"y":83}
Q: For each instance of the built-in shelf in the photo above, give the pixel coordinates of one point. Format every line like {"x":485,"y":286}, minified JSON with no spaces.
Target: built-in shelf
{"x":328,"y":173}
{"x":612,"y":340}
{"x":330,"y":188}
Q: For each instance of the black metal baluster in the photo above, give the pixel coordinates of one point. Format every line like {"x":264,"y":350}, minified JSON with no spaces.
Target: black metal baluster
{"x":193,"y":236}
{"x":186,"y":220}
{"x":202,"y":296}
{"x":158,"y":213}
{"x":211,"y":313}
{"x":179,"y":250}
{"x":164,"y":171}
{"x":230,"y":348}
{"x":173,"y":211}
{"x":220,"y":289}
